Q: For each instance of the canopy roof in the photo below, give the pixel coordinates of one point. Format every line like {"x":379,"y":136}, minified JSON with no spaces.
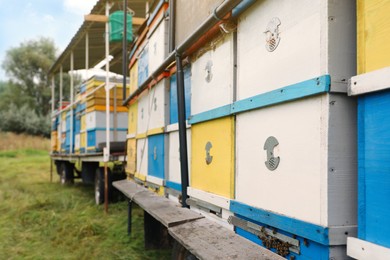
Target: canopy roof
{"x":96,"y":31}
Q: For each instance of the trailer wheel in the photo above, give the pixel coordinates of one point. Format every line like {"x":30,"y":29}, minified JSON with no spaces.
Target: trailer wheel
{"x":99,"y":185}
{"x":66,"y":173}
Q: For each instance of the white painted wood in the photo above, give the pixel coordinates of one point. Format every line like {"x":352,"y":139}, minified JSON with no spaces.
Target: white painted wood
{"x":157,"y":106}
{"x":143,"y":113}
{"x":97,"y":119}
{"x":175,"y":127}
{"x":297,"y":188}
{"x":217,"y":90}
{"x":142,"y":156}
{"x":298,"y":55}
{"x":338,"y":41}
{"x":212,"y":217}
{"x":209,"y":198}
{"x":130,"y":136}
{"x":77,"y":141}
{"x":363,"y":250}
{"x":370,"y":82}
{"x":158,"y":45}
{"x":174,"y":173}
{"x":155,"y":180}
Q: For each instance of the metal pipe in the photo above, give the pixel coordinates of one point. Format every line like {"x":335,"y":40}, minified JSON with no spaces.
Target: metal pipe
{"x":52,"y":96}
{"x":106,"y":154}
{"x":129,"y":209}
{"x":181,"y":105}
{"x":172,"y":21}
{"x":219,"y":13}
{"x":60,"y":108}
{"x":86,"y":54}
{"x":244,"y":5}
{"x":71,"y":101}
{"x":124,"y":48}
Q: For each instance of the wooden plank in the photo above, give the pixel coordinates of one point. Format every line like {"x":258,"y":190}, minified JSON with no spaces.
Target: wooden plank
{"x":95,"y":18}
{"x":364,"y":250}
{"x":167,"y":212}
{"x":103,"y":19}
{"x":208,"y":240}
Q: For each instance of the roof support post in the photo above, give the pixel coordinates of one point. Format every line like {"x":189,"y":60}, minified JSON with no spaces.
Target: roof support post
{"x":71,"y":101}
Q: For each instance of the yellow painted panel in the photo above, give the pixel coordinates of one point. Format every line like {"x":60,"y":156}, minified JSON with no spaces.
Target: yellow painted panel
{"x":103,"y":108}
{"x":134,"y":77}
{"x":133,"y":112}
{"x":131,"y":165}
{"x":373,"y":35}
{"x":83,"y":140}
{"x":54,"y":141}
{"x":155,"y":131}
{"x":140,"y":176}
{"x":212,"y":165}
{"x":159,"y":191}
{"x":83,"y":122}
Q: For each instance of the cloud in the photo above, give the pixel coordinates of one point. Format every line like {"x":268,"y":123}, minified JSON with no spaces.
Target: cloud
{"x":79,"y":6}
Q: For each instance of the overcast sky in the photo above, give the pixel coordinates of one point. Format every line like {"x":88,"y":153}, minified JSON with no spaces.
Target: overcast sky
{"x":22,"y":20}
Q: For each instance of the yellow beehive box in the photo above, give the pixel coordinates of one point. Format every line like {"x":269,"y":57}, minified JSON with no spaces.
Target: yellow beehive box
{"x":54,"y":141}
{"x":83,"y":123}
{"x":212,"y":165}
{"x":83,"y":141}
{"x":131,"y":156}
{"x":133,"y":115}
{"x":373,"y":35}
{"x":103,"y":108}
{"x":134,"y":77}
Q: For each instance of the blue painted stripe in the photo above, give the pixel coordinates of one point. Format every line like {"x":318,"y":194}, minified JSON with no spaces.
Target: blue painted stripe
{"x":104,"y":129}
{"x":211,"y":114}
{"x":301,"y":228}
{"x":173,"y":185}
{"x":292,"y":92}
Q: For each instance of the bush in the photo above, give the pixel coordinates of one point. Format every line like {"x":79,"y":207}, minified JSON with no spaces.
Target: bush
{"x":24,"y":120}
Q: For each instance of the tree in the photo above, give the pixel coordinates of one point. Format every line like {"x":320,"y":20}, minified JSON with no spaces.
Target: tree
{"x":25,"y":100}
{"x":27,"y":67}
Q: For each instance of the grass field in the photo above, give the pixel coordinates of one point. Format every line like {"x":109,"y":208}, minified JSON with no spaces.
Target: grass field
{"x":43,"y":220}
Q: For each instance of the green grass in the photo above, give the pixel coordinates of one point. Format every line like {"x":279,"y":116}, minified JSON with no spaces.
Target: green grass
{"x":43,"y":220}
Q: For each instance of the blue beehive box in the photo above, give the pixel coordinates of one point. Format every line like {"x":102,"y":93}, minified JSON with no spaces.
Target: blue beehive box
{"x":143,"y":71}
{"x":156,"y":156}
{"x":173,"y":114}
{"x":374,"y":167}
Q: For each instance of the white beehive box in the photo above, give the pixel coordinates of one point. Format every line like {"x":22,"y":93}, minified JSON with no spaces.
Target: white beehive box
{"x":97,"y":119}
{"x":311,"y":38}
{"x":314,"y":180}
{"x":142,"y":159}
{"x":212,"y":77}
{"x":152,"y":109}
{"x":158,"y":42}
{"x":173,"y":176}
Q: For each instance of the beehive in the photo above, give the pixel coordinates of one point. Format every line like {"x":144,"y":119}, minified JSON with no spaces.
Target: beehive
{"x":295,"y":139}
{"x":158,"y":37}
{"x":212,"y":164}
{"x":156,"y":159}
{"x":142,"y":159}
{"x":131,"y":156}
{"x":173,"y":109}
{"x":371,"y":86}
{"x":212,"y":74}
{"x":173,"y":175}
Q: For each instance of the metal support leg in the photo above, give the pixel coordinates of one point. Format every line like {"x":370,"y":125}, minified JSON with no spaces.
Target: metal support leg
{"x":129,"y":208}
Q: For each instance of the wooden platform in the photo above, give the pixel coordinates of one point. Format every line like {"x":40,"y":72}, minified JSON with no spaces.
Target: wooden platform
{"x":164,"y":210}
{"x":202,"y":237}
{"x":208,"y":240}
